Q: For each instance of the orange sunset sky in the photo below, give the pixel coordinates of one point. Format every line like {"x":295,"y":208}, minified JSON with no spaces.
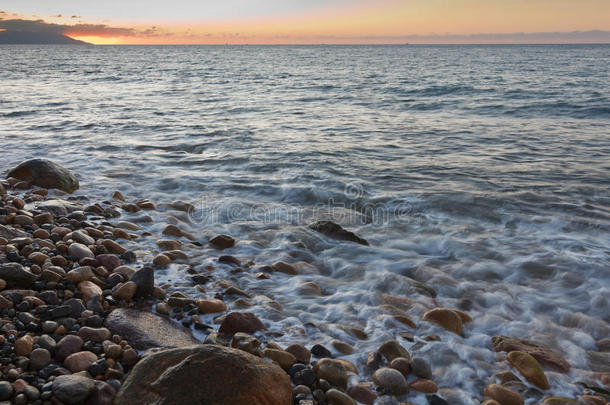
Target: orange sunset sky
{"x":314,"y":21}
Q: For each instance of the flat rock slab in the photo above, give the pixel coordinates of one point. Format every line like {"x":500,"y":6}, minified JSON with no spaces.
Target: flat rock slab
{"x":12,"y":233}
{"x":543,"y":355}
{"x":205,"y":375}
{"x":144,"y":330}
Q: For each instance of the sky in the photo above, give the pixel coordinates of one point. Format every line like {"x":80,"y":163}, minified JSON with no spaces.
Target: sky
{"x":313,"y":21}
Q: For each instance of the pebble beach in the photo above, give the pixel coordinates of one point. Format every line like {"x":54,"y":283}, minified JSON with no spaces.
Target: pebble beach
{"x":90,"y":315}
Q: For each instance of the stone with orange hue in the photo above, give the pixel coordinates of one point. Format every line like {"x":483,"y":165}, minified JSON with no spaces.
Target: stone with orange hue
{"x":349,"y":366}
{"x":591,"y":400}
{"x":529,"y":368}
{"x":211,"y":306}
{"x":446,"y":318}
{"x":24,"y":345}
{"x":332,"y":371}
{"x":506,"y":376}
{"x":125,"y":292}
{"x":392,"y":350}
{"x":423,"y":385}
{"x":401,"y":364}
{"x":300,"y":352}
{"x":113,"y":247}
{"x":505,"y":396}
{"x":161,"y":260}
{"x":80,"y":361}
{"x":281,"y":357}
{"x":240,"y":322}
{"x":363,"y":393}
{"x":391,"y":380}
{"x":222,"y":376}
{"x":89,"y":289}
{"x":543,"y":355}
{"x":405,"y":320}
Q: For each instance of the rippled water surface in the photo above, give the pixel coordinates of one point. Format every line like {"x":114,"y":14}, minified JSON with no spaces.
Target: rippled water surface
{"x":481,"y":171}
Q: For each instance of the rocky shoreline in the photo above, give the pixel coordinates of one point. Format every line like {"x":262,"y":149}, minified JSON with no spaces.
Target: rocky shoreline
{"x":83,"y":320}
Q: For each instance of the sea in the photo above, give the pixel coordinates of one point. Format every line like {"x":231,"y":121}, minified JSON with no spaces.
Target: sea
{"x":479,"y":175}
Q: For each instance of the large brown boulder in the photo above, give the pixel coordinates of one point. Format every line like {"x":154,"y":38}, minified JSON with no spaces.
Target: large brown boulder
{"x":144,"y":330}
{"x":45,"y":173}
{"x":205,"y":375}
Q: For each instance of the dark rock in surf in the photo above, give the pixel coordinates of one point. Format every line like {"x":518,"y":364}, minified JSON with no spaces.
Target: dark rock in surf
{"x":223,"y":241}
{"x":45,"y":173}
{"x":145,"y":282}
{"x":336,"y":231}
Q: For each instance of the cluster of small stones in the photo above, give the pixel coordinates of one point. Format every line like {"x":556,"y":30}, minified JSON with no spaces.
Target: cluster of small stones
{"x":60,"y":276}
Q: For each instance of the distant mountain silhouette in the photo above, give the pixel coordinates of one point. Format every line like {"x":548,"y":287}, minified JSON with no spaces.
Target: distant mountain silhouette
{"x":37,"y":38}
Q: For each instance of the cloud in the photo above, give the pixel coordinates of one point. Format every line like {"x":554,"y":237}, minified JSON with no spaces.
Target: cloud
{"x":41,"y":26}
{"x":75,"y":16}
{"x":592,"y":36}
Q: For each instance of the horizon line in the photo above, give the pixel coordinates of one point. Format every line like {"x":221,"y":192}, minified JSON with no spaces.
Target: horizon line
{"x":342,"y":44}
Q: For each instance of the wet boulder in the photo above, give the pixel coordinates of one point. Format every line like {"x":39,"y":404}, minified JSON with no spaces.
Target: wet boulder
{"x":336,"y":231}
{"x":223,"y":376}
{"x":45,"y":173}
{"x":543,"y":355}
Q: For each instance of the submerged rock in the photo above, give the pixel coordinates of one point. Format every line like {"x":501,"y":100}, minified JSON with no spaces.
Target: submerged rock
{"x":446,"y":318}
{"x":144,"y":330}
{"x":336,"y":231}
{"x":332,"y":371}
{"x":45,"y":173}
{"x":223,"y":241}
{"x":529,"y":368}
{"x":505,"y":396}
{"x":222,"y":376}
{"x":391,"y":380}
{"x":543,"y":355}
{"x":599,"y":361}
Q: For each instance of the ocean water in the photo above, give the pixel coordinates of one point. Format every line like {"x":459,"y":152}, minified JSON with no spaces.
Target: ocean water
{"x":481,"y":171}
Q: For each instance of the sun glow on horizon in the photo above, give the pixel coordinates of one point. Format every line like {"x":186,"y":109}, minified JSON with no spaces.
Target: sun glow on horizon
{"x":344,"y":22}
{"x":96,"y":40}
